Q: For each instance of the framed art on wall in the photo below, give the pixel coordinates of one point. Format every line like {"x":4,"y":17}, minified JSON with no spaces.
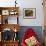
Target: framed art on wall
{"x":29,"y":13}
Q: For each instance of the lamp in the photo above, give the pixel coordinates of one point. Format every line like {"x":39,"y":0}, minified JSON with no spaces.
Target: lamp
{"x":15,"y":30}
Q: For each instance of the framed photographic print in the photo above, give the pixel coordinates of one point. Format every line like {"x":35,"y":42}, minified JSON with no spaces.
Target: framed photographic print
{"x":13,"y":12}
{"x":5,"y":12}
{"x":29,"y":13}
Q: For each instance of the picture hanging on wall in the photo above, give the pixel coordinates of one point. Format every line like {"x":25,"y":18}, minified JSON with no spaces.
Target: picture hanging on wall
{"x":29,"y":13}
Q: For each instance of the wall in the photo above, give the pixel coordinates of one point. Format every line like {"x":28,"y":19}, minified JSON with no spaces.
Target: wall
{"x":27,"y":4}
{"x":37,"y":23}
{"x":7,"y":3}
{"x":39,"y":13}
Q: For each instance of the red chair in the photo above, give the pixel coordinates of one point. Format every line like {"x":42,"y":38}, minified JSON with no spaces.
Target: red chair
{"x":29,"y":33}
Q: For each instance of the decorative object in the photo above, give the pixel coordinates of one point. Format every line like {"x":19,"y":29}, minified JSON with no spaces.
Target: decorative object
{"x":15,"y":34}
{"x":29,"y":13}
{"x":13,"y":12}
{"x":7,"y":34}
{"x":6,"y":21}
{"x":31,"y":41}
{"x":5,"y":12}
{"x":15,"y":3}
{"x":15,"y":30}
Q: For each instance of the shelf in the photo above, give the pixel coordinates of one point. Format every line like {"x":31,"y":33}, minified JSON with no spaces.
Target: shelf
{"x":6,"y":12}
{"x":10,"y":26}
{"x":7,"y":16}
{"x":9,"y":10}
{"x":9,"y":19}
{"x":11,"y":41}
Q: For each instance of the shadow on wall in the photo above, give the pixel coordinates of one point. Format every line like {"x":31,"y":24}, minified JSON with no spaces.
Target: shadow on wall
{"x":37,"y":29}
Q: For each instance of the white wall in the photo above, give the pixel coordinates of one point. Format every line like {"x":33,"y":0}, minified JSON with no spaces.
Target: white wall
{"x":27,"y":4}
{"x":39,"y":13}
{"x":7,"y":3}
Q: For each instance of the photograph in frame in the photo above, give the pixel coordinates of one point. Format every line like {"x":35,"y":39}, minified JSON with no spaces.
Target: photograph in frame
{"x":29,"y":13}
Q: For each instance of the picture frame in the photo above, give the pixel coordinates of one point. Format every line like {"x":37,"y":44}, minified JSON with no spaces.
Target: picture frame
{"x":29,"y":13}
{"x":12,"y":12}
{"x":5,"y":12}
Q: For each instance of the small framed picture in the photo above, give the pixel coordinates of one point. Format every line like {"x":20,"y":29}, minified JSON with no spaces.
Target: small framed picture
{"x":29,"y":13}
{"x":5,"y":12}
{"x":12,"y":12}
